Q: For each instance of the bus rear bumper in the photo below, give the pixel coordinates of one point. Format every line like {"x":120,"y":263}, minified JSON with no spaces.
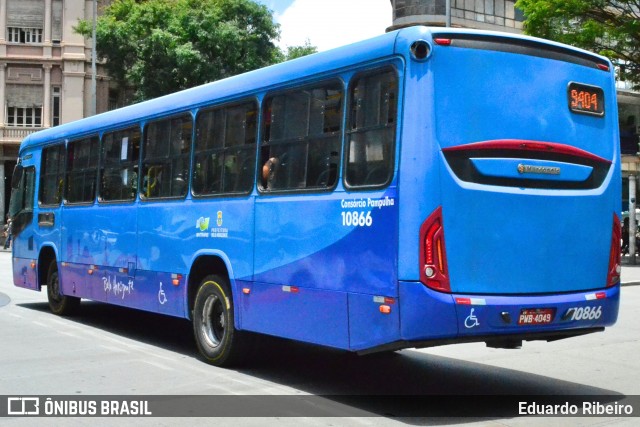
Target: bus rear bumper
{"x":429,"y":318}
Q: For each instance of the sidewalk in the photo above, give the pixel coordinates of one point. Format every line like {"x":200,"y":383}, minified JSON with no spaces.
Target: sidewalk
{"x":630,"y":274}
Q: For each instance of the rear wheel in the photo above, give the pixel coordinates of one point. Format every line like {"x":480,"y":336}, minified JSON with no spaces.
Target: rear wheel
{"x":219,"y":342}
{"x":59,"y":304}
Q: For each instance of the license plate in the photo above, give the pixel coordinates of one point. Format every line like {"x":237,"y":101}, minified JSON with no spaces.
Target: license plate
{"x":536,"y":316}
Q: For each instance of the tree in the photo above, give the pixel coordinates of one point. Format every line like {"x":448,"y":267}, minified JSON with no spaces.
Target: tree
{"x":608,"y":27}
{"x":161,"y":46}
{"x":294,"y":52}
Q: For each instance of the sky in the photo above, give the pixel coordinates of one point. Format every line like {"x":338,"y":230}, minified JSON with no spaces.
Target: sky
{"x":329,"y":23}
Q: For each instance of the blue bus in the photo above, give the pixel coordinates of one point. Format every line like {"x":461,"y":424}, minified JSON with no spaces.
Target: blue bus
{"x":429,"y":186}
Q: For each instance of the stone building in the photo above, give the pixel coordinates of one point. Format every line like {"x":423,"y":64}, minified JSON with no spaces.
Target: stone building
{"x":45,"y":74}
{"x":497,"y":15}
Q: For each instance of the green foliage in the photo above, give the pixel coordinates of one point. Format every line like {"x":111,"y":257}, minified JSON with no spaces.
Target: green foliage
{"x":161,"y":46}
{"x":607,"y":27}
{"x":294,"y":52}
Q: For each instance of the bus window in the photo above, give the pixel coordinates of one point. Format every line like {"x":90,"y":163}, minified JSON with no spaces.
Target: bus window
{"x":82,"y":167}
{"x":119,"y":165}
{"x":165,"y":166}
{"x":52,"y":175}
{"x":372,"y":128}
{"x":302,"y":130}
{"x":225,"y":150}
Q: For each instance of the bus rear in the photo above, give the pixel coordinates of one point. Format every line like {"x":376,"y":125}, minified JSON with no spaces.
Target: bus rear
{"x":519,"y":192}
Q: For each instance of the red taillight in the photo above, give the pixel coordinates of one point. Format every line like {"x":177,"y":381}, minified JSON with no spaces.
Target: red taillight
{"x":442,"y":41}
{"x":613,"y":273}
{"x":433,"y":257}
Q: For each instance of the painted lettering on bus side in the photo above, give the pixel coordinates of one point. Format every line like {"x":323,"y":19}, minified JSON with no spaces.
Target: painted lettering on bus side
{"x":359,"y":218}
{"x":117,"y":287}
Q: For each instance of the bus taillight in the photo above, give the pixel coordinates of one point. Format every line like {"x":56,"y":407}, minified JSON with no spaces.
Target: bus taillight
{"x":433,"y":258}
{"x":613,"y":275}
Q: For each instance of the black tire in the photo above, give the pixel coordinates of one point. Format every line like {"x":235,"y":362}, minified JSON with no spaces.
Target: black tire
{"x":219,"y":342}
{"x":59,"y":304}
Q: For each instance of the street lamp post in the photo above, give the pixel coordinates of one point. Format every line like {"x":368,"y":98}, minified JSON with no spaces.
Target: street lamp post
{"x":93,"y":60}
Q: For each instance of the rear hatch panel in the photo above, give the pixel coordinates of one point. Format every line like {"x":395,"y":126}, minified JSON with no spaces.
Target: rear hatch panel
{"x":529,"y":185}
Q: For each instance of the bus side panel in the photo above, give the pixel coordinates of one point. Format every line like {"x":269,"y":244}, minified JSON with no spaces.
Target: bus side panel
{"x":171,"y":232}
{"x":149,"y":291}
{"x":24,"y":275}
{"x":97,"y":247}
{"x":311,"y":315}
{"x":329,"y":245}
{"x":73,"y":278}
{"x":341,"y":241}
{"x":369,"y":324}
{"x":426,"y":314}
{"x":222,"y":225}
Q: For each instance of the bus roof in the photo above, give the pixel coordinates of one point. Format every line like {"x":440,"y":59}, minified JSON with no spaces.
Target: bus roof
{"x":246,"y":84}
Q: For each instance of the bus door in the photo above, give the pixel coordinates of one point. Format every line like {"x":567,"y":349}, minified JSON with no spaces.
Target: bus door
{"x":21,"y":212}
{"x":49,"y":214}
{"x":114,"y":222}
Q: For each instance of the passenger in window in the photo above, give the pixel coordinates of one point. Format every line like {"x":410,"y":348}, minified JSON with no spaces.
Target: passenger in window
{"x":269,"y":170}
{"x":152,"y":182}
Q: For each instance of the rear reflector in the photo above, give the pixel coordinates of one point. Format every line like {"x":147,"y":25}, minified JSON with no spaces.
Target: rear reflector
{"x":595,"y":296}
{"x":433,"y":256}
{"x":471,"y":301}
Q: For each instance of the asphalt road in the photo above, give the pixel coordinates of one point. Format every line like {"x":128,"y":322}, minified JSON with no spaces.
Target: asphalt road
{"x":108,"y":350}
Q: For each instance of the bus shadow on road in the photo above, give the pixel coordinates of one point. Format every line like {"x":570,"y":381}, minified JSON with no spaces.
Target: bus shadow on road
{"x":411,"y":386}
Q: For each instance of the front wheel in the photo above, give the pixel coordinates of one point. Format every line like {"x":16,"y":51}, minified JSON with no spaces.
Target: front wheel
{"x":59,"y":304}
{"x":213,"y":324}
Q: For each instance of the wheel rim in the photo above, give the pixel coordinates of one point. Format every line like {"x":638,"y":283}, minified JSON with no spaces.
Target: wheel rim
{"x":55,"y":288}
{"x":213,"y":324}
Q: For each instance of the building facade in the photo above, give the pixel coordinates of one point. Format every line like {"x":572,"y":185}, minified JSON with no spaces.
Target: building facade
{"x":45,"y":74}
{"x":497,"y":15}
{"x":502,"y":15}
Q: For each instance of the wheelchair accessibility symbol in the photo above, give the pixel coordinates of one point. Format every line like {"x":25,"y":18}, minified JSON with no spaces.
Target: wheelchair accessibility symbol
{"x":471,"y":321}
{"x":162,"y":298}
